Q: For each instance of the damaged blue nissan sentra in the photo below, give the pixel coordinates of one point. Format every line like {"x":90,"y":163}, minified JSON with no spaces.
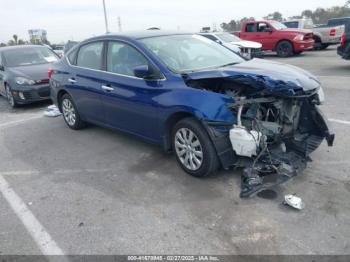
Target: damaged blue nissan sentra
{"x":197,"y":99}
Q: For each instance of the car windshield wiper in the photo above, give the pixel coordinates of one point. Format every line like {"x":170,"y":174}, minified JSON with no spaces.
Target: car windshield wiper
{"x":229,"y":64}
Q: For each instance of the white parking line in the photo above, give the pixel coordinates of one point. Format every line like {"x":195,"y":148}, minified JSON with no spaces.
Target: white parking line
{"x":44,"y":241}
{"x":339,"y":121}
{"x":16,"y":122}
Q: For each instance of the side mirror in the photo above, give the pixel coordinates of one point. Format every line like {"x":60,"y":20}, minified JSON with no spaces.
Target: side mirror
{"x":145,"y":72}
{"x":268,"y":30}
{"x":142,"y":71}
{"x":218,"y":41}
{"x":2,"y":68}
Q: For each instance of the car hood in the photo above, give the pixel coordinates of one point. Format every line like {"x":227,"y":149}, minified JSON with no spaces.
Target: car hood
{"x":247,"y":44}
{"x":296,"y":30}
{"x":232,"y":47}
{"x":261,"y":74}
{"x":34,"y":72}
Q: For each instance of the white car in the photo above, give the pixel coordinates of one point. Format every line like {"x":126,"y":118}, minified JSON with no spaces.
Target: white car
{"x":247,"y":49}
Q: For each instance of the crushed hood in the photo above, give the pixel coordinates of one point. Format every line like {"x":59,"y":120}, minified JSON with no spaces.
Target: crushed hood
{"x":262,"y":74}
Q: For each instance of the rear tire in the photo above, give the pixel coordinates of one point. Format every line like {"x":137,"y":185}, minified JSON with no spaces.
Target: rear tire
{"x":324,"y":46}
{"x":70,"y":113}
{"x":318,"y":43}
{"x":193,"y":148}
{"x":284,"y":49}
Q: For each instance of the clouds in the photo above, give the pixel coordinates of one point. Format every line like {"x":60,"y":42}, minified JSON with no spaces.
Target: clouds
{"x":79,"y":19}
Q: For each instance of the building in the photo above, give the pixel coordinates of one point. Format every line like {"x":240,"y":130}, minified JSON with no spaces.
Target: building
{"x":37,"y":36}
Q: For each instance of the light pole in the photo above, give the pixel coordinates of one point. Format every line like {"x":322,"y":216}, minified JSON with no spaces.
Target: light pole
{"x":104,"y":10}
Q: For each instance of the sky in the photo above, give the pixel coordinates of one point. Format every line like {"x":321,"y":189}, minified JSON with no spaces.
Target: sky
{"x":79,"y":19}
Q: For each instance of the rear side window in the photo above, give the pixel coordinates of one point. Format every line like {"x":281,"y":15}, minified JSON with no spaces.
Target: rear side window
{"x":293,"y":24}
{"x":251,"y":27}
{"x":71,"y":56}
{"x":90,"y":56}
{"x":123,"y":58}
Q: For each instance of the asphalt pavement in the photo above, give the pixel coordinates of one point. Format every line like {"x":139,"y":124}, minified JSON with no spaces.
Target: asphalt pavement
{"x":97,"y":191}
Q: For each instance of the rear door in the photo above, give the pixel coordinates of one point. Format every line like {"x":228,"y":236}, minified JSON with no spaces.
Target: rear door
{"x":130,"y":102}
{"x":85,"y":79}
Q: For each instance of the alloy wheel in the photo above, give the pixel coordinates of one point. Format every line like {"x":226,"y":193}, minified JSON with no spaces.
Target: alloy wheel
{"x":188,"y":149}
{"x":68,"y":112}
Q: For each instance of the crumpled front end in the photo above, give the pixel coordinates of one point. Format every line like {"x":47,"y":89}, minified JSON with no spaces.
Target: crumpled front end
{"x":278,"y":125}
{"x":274,"y":137}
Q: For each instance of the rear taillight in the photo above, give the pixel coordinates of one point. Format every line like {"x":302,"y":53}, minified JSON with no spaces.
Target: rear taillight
{"x":49,"y":72}
{"x":342,"y":39}
{"x":332,"y":32}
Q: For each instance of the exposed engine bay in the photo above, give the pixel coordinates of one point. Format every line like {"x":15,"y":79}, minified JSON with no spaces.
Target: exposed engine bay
{"x":275,"y":131}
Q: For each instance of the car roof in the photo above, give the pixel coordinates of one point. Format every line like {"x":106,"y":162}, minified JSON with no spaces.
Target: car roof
{"x":212,"y":33}
{"x":14,"y":47}
{"x":135,"y":35}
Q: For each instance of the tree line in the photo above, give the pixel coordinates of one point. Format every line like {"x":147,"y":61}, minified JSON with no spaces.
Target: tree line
{"x":318,"y":16}
{"x":17,"y":41}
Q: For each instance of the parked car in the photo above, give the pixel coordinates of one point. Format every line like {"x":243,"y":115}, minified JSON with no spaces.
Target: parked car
{"x":338,"y":21}
{"x":68,"y":46}
{"x":324,"y":36}
{"x":196,"y":98}
{"x":247,"y":49}
{"x":344,"y":48}
{"x":58,"y":49}
{"x":277,"y":37}
{"x":23,"y":73}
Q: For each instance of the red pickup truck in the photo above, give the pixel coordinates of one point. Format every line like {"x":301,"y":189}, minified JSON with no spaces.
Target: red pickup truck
{"x":277,"y":37}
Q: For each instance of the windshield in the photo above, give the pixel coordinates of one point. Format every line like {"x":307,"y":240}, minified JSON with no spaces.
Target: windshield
{"x":277,"y":25}
{"x":227,"y":38}
{"x":29,"y":56}
{"x":184,"y":53}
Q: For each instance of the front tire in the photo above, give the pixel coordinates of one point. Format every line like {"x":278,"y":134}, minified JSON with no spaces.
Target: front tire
{"x":193,"y":148}
{"x":70,"y":113}
{"x":10,"y":97}
{"x":284,"y":49}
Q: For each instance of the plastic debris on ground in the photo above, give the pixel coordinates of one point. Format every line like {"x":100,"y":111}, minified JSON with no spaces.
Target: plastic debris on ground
{"x":294,"y":201}
{"x":52,"y":111}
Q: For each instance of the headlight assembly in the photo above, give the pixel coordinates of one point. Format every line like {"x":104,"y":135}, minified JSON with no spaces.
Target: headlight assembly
{"x":24,"y":81}
{"x":320,"y":94}
{"x":298,"y":38}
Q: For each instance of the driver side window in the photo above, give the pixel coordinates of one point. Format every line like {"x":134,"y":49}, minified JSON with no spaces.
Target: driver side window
{"x":262,"y":27}
{"x":122,"y":59}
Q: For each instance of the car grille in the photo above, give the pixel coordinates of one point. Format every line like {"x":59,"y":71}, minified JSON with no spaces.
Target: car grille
{"x":308,"y":36}
{"x":257,"y":52}
{"x":44,"y":91}
{"x":42,"y":81}
{"x":28,"y":95}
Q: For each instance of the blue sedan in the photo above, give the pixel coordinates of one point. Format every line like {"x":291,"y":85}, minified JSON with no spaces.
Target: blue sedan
{"x":196,"y":98}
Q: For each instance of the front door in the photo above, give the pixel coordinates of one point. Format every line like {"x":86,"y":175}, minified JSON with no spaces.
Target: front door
{"x":130,"y":102}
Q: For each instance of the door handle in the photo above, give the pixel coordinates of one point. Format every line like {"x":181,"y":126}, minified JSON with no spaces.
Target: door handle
{"x":72,"y":80}
{"x":107,"y":88}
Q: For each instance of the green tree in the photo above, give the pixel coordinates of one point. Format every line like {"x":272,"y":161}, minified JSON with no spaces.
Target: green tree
{"x":15,"y":39}
{"x":307,"y":13}
{"x":277,"y":16}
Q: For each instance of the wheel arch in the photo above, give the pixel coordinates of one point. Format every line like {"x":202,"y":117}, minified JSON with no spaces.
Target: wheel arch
{"x":169,"y":124}
{"x":60,"y":94}
{"x":282,"y":40}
